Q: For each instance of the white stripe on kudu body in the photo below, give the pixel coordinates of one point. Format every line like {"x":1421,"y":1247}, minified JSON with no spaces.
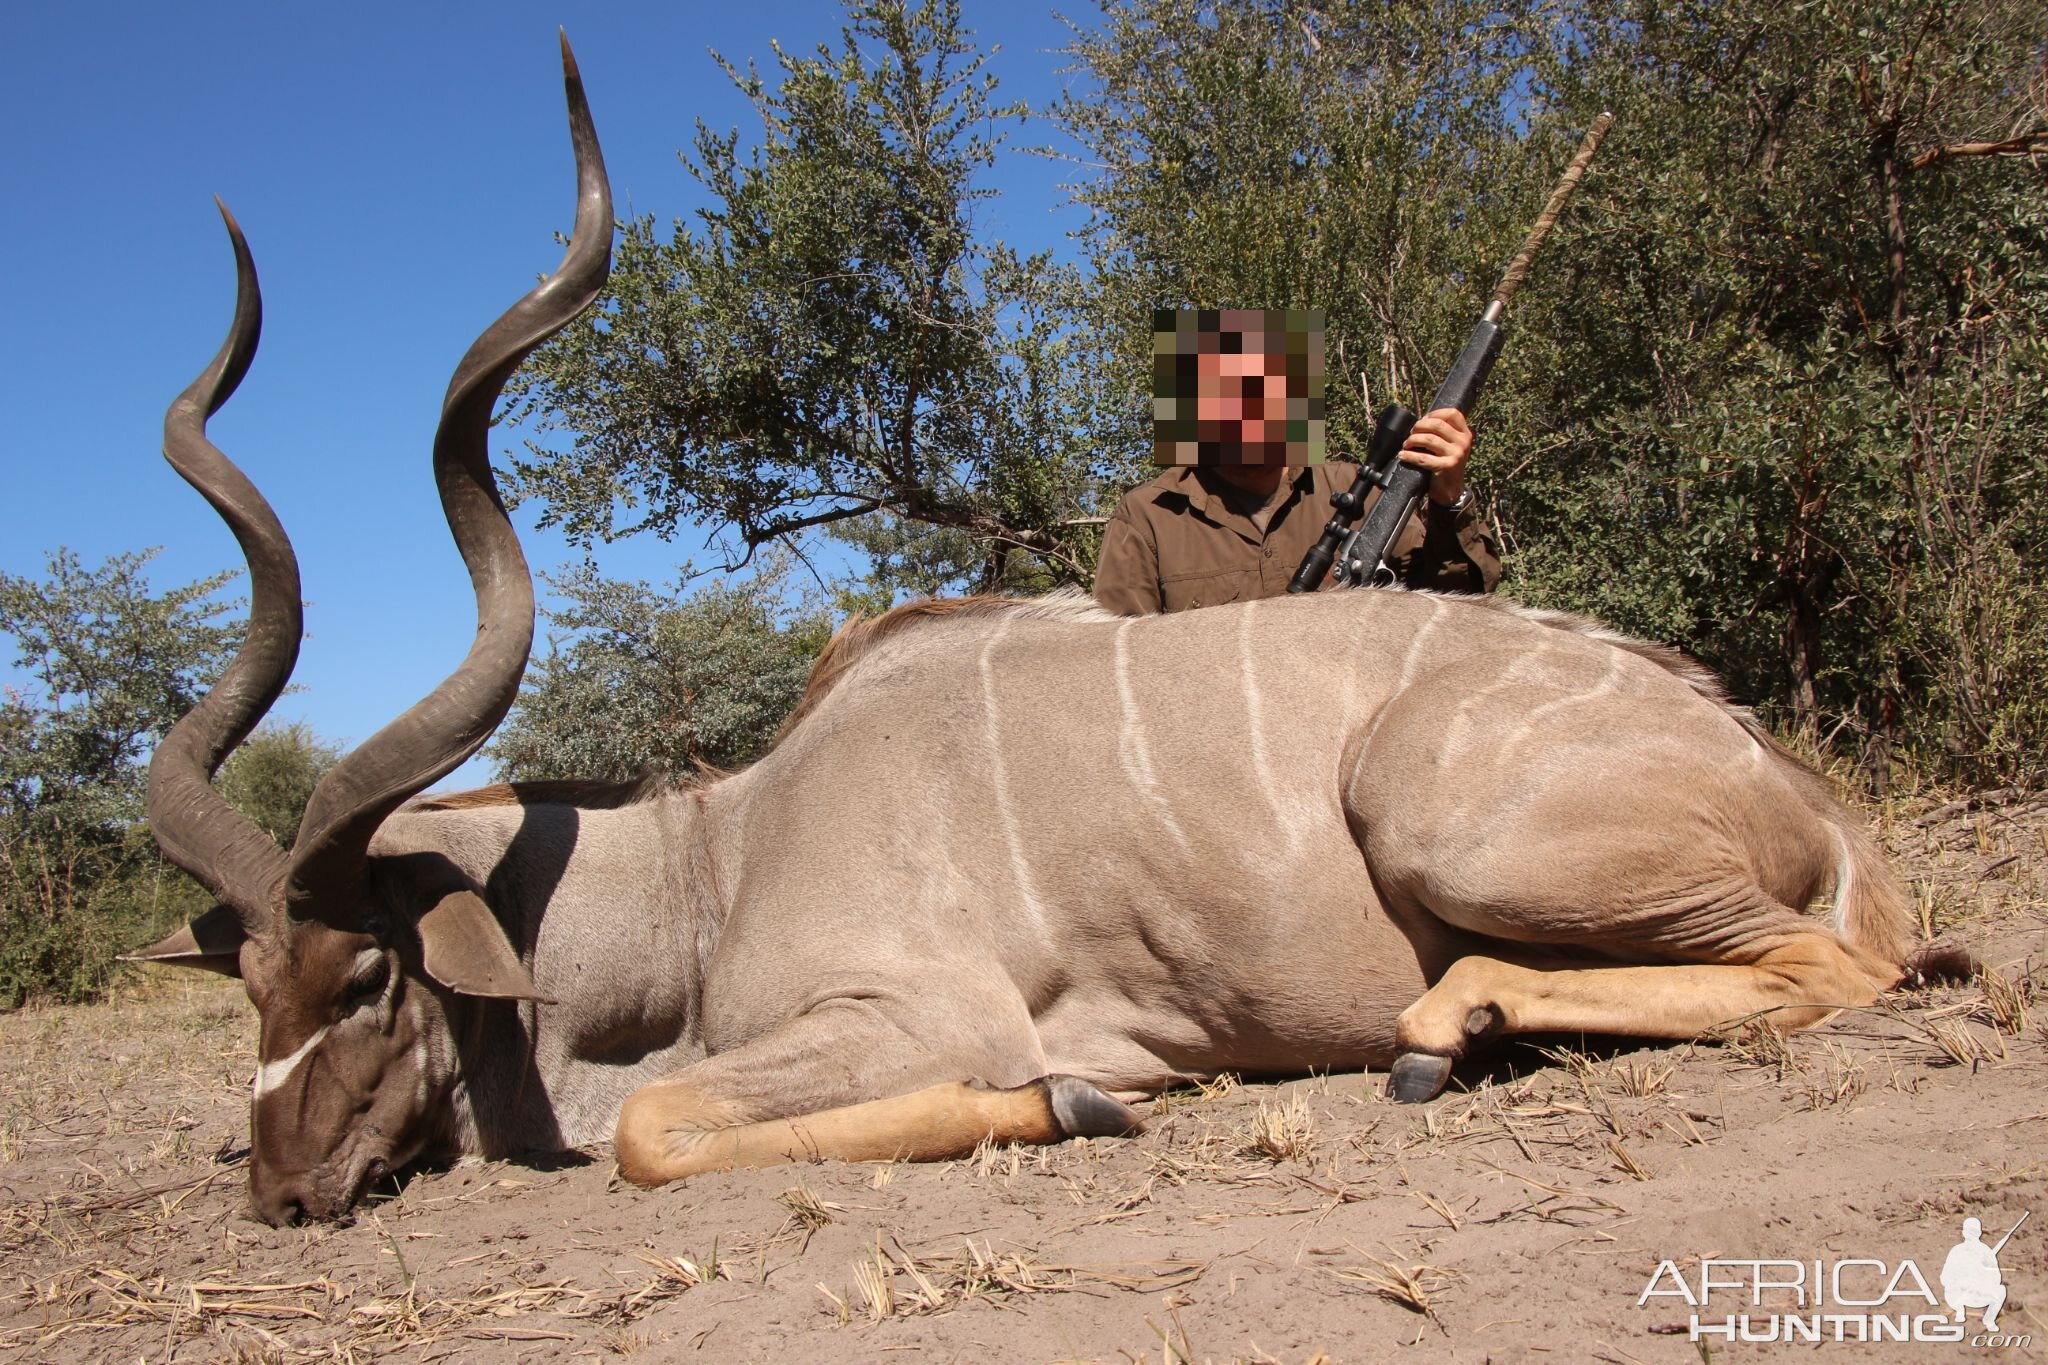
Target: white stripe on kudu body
{"x":1533,"y":723}
{"x":999,"y":778}
{"x":1255,"y":726}
{"x":1478,"y":701}
{"x":1134,"y":748}
{"x":271,"y":1075}
{"x":1418,"y":649}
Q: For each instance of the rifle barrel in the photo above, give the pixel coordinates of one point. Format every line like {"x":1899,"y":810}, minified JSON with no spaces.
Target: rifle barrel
{"x":1545,"y":221}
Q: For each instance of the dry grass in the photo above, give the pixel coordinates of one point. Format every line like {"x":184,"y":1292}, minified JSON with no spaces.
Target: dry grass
{"x":76,"y":1072}
{"x":806,"y":1209}
{"x":1283,"y":1131}
{"x":1626,"y":1161}
{"x":2008,"y":999}
{"x":353,"y":1320}
{"x":1960,"y":1044}
{"x":1553,"y":1203}
{"x":890,"y":1281}
{"x":1756,"y":1044}
{"x":1580,"y":1066}
{"x":1196,"y":1093}
{"x":1413,"y":1287}
{"x":1839,"y":1077}
{"x":673,"y":1276}
{"x":1641,"y":1078}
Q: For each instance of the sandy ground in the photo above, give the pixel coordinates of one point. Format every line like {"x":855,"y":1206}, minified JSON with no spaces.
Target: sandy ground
{"x":1519,"y":1218}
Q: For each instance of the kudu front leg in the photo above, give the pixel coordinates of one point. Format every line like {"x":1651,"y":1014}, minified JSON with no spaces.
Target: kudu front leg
{"x":838,"y":1085}
{"x":1793,"y":984}
{"x":660,"y":1140}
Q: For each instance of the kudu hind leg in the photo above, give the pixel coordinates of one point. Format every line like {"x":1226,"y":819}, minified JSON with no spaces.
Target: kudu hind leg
{"x":842,"y":1085}
{"x":1794,"y":983}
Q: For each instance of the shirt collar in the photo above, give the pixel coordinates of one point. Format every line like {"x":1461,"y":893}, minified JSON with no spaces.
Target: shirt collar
{"x":1186,"y":482}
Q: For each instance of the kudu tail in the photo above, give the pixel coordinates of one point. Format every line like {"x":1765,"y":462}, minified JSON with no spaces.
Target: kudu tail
{"x":1870,"y":911}
{"x":1872,"y":914}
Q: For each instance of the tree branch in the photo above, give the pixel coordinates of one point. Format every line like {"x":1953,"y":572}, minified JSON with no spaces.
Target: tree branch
{"x":760,"y":535}
{"x":2023,"y":145}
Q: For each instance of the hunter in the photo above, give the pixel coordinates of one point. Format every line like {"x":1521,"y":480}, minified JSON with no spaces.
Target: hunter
{"x":1244,"y":499}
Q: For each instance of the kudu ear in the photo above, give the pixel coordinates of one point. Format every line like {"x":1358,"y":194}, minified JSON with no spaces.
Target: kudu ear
{"x":465,"y":949}
{"x":212,"y":943}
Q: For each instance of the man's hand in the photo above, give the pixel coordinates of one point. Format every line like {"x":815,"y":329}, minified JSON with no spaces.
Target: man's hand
{"x":1441,"y":443}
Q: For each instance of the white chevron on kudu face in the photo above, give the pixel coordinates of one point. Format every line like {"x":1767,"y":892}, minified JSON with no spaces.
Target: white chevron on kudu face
{"x":271,"y":1075}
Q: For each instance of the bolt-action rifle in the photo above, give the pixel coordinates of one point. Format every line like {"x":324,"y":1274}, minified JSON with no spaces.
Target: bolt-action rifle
{"x":1360,"y":555}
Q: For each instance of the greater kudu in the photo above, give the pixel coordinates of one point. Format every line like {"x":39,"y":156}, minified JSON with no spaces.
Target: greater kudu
{"x":1009,"y":857}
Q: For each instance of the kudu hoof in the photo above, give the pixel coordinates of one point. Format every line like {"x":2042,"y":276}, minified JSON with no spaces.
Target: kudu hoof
{"x":1083,"y":1111}
{"x":1418,"y":1077}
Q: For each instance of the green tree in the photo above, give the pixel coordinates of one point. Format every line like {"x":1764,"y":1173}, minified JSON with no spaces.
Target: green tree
{"x":271,"y":776}
{"x":830,"y":342}
{"x":1792,"y":388}
{"x":108,"y":666}
{"x":641,"y":678}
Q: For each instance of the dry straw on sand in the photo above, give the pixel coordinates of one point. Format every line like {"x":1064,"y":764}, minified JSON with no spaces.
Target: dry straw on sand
{"x":1288,"y":1222}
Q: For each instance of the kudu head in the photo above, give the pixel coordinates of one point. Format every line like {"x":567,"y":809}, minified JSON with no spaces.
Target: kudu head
{"x":351,"y":963}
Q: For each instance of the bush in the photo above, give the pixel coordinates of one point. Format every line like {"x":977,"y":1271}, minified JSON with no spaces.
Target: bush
{"x":111,"y":666}
{"x":643,"y":678}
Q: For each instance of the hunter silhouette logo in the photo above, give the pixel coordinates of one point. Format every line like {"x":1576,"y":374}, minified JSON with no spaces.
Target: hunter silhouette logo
{"x":1970,"y":1277}
{"x":1852,"y":1299}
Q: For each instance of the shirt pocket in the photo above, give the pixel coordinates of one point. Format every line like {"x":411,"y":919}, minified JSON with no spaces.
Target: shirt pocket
{"x":1209,"y":588}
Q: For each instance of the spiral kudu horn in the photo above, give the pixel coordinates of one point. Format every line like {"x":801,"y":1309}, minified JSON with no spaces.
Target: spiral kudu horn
{"x":443,"y":729}
{"x":198,"y":830}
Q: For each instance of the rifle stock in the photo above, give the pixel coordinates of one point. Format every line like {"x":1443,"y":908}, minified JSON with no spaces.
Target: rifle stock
{"x":1361,"y":555}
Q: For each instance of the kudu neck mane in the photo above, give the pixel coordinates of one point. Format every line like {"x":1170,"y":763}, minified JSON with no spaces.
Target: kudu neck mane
{"x":582,"y":795}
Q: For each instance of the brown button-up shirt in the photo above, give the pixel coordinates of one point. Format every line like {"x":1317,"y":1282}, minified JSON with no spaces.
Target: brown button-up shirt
{"x":1179,"y":542}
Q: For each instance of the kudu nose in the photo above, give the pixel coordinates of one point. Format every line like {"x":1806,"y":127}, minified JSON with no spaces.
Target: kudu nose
{"x":276,"y":1201}
{"x":279,"y":1212}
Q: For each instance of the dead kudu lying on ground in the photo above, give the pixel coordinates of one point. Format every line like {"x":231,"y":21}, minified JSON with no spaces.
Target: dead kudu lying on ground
{"x":1010,"y":858}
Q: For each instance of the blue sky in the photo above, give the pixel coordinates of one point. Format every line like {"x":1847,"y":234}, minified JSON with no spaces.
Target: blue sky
{"x":400,"y":172}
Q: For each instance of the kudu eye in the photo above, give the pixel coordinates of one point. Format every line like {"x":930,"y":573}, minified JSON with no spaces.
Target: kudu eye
{"x":372,"y":973}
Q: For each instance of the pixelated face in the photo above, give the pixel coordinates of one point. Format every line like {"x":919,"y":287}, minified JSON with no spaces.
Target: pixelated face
{"x":1244,"y":394}
{"x":1238,"y":386}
